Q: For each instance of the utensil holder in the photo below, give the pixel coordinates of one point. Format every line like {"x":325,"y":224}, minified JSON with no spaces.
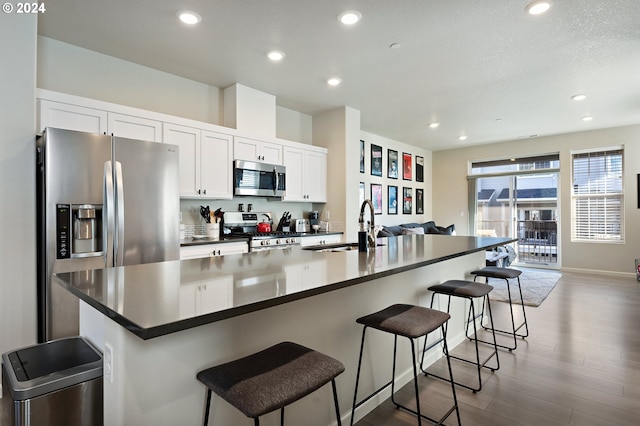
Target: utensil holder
{"x":213,"y":230}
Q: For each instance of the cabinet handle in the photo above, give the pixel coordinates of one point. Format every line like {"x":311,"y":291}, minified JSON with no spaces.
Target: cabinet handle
{"x":204,"y":191}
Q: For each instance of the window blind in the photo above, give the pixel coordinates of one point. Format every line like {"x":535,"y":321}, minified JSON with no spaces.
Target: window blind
{"x":597,"y":196}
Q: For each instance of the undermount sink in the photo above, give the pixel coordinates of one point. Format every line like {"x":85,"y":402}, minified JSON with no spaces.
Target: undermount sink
{"x":339,"y":247}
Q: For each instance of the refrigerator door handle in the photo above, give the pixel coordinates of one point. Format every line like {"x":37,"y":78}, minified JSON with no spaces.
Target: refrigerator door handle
{"x":108,"y":221}
{"x":119,"y":243}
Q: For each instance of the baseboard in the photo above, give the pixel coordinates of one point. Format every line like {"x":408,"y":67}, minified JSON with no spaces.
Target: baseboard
{"x":599,"y":272}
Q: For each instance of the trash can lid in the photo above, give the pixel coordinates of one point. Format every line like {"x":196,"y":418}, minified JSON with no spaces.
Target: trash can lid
{"x":51,"y":366}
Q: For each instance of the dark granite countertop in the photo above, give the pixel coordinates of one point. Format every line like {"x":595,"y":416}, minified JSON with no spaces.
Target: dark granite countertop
{"x":155,"y":299}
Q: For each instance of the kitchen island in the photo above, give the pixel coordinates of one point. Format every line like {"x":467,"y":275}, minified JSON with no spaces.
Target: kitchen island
{"x":166,"y":321}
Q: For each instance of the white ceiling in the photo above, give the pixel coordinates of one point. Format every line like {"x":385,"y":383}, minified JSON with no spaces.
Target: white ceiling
{"x":483,"y":68}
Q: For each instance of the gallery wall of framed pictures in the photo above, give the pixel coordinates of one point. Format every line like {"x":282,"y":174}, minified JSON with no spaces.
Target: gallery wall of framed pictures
{"x":382,"y":169}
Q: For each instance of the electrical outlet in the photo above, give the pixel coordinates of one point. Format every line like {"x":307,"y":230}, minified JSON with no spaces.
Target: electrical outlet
{"x":108,"y":363}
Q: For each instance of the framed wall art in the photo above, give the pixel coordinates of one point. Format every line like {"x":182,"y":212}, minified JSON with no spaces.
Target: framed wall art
{"x":392,"y":199}
{"x":376,"y":198}
{"x":419,"y":169}
{"x":407,"y":200}
{"x":419,"y":201}
{"x":376,"y":160}
{"x":361,"y":195}
{"x":407,"y":173}
{"x":392,"y":164}
{"x":361,"y":156}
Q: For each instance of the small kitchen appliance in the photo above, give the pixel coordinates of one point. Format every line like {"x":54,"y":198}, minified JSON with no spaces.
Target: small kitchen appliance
{"x":258,"y":179}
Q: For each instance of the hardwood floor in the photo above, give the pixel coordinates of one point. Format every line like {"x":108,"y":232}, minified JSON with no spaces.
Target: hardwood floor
{"x":580,"y":365}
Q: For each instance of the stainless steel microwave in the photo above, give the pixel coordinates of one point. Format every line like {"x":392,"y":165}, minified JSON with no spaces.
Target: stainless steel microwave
{"x":259,"y":179}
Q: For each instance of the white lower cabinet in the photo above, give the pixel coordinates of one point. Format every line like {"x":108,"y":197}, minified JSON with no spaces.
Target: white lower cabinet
{"x":304,"y":276}
{"x":205,"y":161}
{"x":209,"y":250}
{"x":320,"y":239}
{"x":202,"y":297}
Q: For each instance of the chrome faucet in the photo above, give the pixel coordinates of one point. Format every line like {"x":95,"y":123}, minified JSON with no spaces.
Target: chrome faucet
{"x":371,"y":235}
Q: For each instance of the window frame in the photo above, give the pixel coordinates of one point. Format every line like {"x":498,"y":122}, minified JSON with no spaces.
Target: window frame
{"x":589,"y":236}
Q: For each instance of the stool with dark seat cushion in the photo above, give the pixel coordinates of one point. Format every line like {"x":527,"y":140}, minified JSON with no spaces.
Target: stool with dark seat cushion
{"x":412,"y":322}
{"x":468,"y":290}
{"x":506,"y":274}
{"x":271,"y":379}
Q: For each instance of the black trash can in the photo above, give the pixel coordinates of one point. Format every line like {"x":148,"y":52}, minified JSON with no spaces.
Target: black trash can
{"x":53,"y":383}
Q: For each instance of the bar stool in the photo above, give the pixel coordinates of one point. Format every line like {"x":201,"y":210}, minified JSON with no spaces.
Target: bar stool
{"x":469,"y":290}
{"x":271,"y":379}
{"x":411,"y":322}
{"x":506,"y":274}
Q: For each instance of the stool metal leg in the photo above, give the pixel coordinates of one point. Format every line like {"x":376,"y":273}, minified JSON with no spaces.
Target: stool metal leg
{"x":514,"y":328}
{"x":471,"y":317}
{"x":206,"y":411}
{"x":335,"y":401}
{"x":416,"y":412}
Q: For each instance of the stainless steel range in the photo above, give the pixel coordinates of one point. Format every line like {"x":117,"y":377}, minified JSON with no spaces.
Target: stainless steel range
{"x":248,"y":225}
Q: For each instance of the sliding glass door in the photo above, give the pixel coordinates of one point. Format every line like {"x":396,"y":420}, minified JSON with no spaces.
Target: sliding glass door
{"x":518,"y":199}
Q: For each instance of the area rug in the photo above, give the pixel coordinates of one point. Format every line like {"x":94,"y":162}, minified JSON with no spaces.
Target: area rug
{"x":536,"y":285}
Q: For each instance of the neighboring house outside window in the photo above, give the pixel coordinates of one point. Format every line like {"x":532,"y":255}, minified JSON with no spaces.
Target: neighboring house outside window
{"x":597,"y":195}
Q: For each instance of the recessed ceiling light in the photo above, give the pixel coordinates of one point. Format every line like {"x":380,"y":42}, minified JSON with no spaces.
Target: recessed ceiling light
{"x":462,"y":138}
{"x":189,"y":17}
{"x":275,"y":55}
{"x":334,"y":81}
{"x":395,"y":46}
{"x":350,"y":17}
{"x":579,"y":97}
{"x":537,"y":7}
{"x":434,"y":125}
{"x":587,"y":118}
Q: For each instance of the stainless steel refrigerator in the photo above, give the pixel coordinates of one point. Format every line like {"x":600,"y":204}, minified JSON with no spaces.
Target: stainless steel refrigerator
{"x":102,"y":201}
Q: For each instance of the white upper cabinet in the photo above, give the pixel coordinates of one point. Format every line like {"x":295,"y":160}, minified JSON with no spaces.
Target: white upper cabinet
{"x":216,"y":164}
{"x":128,"y":126}
{"x":71,"y":117}
{"x":306,"y":175}
{"x":205,"y":161}
{"x":74,"y":117}
{"x":257,"y":150}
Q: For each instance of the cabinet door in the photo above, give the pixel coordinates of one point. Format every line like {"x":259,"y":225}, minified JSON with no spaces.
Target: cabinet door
{"x":256,"y":150}
{"x":315,"y":176}
{"x":271,"y":153}
{"x":246,"y":149}
{"x":215,"y":295}
{"x":128,"y":126}
{"x":216,"y":169}
{"x":294,"y":161}
{"x":233,"y":248}
{"x":71,"y":117}
{"x":188,"y":139}
{"x":320,"y":239}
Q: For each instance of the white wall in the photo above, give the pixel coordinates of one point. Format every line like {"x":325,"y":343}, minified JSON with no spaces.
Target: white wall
{"x":17,"y":181}
{"x":293,"y":125}
{"x":66,"y":68}
{"x":338,"y":130}
{"x":450,"y":169}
